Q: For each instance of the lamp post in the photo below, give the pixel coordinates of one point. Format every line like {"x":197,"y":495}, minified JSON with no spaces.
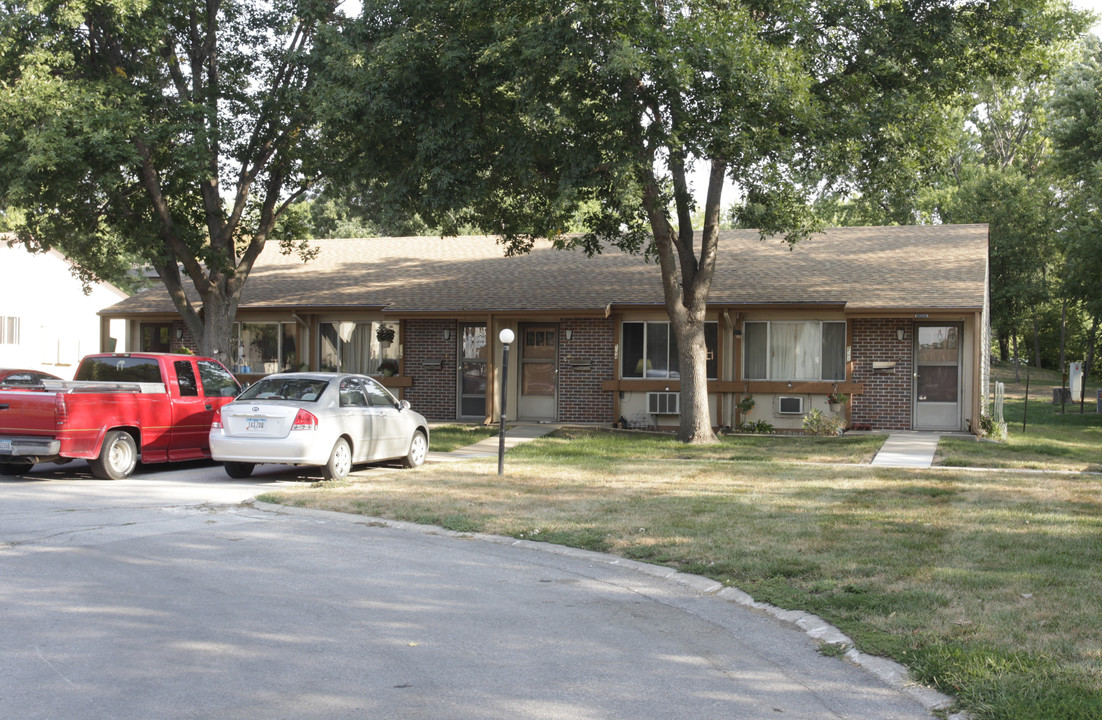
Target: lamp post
{"x":506,"y":336}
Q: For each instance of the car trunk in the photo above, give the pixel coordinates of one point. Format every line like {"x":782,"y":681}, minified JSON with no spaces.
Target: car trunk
{"x":258,"y":419}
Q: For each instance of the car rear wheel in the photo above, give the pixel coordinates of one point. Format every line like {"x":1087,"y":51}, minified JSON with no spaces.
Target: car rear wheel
{"x":418,"y":450}
{"x":16,"y":468}
{"x":117,"y":457}
{"x":239,"y":470}
{"x":340,"y":461}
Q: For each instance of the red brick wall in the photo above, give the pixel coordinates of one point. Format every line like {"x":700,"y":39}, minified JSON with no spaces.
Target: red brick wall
{"x":433,"y":392}
{"x":584,"y":361}
{"x":886,"y":401}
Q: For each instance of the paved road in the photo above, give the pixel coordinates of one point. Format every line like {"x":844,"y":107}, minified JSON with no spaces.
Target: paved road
{"x":162,"y":596}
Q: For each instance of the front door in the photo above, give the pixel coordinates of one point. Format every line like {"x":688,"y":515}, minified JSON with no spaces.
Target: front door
{"x":937,"y":383}
{"x":538,"y":374}
{"x":472,"y":371}
{"x":156,"y":337}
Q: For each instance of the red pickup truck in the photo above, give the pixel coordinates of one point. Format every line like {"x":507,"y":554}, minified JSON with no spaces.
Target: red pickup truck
{"x":117,"y":407}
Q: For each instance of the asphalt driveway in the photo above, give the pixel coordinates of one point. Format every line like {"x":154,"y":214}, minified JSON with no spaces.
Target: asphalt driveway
{"x":162,"y":596}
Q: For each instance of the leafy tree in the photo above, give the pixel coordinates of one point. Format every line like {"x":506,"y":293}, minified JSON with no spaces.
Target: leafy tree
{"x":1000,"y":176}
{"x":1074,"y":128}
{"x":1022,"y":215}
{"x":520,"y":112}
{"x":179,"y":132}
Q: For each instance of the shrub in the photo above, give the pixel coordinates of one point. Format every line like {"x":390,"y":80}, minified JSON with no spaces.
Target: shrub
{"x":818,"y":424}
{"x":992,"y":428}
{"x":760,"y":426}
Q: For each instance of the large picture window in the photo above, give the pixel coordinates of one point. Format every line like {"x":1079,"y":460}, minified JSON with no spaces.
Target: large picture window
{"x":800,"y":350}
{"x":265,"y":348}
{"x":355,"y":347}
{"x":649,"y":350}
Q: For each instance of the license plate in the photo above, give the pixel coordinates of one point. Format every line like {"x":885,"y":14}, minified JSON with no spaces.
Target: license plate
{"x":254,"y":423}
{"x":5,"y":446}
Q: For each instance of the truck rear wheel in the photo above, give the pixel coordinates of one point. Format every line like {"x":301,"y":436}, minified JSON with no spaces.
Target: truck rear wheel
{"x":117,"y":458}
{"x":15,"y":468}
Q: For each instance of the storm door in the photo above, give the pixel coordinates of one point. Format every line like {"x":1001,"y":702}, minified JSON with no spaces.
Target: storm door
{"x":937,"y":377}
{"x":472,"y":371}
{"x":538,"y":353}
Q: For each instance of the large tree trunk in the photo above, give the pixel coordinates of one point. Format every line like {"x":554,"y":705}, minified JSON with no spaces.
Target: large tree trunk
{"x":696,"y":415}
{"x":686,"y":281}
{"x":218,"y":317}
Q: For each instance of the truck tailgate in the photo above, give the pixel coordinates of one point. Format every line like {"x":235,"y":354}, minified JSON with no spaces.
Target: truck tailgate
{"x":27,"y":413}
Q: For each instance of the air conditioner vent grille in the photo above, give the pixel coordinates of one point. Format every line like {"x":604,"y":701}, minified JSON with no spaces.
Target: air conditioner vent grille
{"x":664,"y":403}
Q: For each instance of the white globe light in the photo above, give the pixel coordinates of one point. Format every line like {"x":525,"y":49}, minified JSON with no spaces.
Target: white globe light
{"x":506,"y":336}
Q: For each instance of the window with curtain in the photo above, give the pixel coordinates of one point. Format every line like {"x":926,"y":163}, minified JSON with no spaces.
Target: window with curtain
{"x":264,"y":347}
{"x":794,"y":350}
{"x":649,"y":350}
{"x":353,"y":347}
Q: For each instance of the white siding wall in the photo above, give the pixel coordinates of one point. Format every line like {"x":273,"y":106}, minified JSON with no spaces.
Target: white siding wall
{"x":57,"y":322}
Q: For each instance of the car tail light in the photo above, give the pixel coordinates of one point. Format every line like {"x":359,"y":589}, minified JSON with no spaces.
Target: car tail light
{"x":305,"y":421}
{"x":61,"y":410}
{"x":216,"y":419}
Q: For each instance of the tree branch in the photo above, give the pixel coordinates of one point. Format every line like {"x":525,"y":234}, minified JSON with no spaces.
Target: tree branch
{"x":176,"y":247}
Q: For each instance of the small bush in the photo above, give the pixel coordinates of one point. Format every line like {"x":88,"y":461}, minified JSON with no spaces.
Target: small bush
{"x":760,"y":427}
{"x":992,"y":428}
{"x":818,"y":424}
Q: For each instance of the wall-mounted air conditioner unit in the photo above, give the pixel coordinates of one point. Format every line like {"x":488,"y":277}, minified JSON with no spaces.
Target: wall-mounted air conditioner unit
{"x":664,"y":403}
{"x":790,"y":405}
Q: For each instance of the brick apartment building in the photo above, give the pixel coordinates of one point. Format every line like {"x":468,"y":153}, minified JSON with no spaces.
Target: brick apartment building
{"x":895,"y":318}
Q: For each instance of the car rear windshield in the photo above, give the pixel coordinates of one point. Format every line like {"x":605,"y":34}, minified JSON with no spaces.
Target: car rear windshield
{"x":304,"y":389}
{"x":119,"y":369}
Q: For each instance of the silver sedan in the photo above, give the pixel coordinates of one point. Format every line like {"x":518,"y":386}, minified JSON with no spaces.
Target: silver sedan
{"x":333,"y":420}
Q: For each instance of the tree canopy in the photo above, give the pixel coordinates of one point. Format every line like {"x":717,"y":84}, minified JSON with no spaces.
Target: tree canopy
{"x":1076,"y":133}
{"x":521,"y":116}
{"x":173,"y":131}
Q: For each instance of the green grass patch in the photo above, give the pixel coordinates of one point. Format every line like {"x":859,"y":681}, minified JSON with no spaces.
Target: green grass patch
{"x":590,"y":445}
{"x":1041,"y":436}
{"x":447,"y":438}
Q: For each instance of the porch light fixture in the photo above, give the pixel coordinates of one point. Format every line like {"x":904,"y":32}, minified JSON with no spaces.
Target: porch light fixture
{"x":447,"y":334}
{"x":569,"y":334}
{"x":899,"y":333}
{"x":506,"y":337}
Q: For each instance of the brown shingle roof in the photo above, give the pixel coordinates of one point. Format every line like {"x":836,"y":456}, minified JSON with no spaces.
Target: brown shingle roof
{"x":863,"y":268}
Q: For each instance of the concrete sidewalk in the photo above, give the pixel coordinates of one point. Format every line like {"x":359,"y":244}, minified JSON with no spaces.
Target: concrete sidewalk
{"x":910,"y":449}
